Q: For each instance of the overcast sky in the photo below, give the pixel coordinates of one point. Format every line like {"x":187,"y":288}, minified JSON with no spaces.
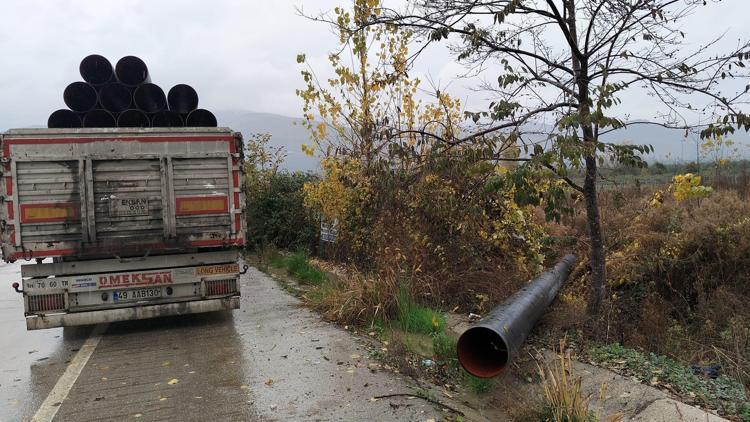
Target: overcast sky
{"x":238,"y":54}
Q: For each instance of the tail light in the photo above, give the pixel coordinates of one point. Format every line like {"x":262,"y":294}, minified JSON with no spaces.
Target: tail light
{"x":221,"y":287}
{"x":46,"y":303}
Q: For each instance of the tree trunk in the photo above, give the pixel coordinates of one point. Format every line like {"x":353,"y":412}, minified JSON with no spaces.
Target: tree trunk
{"x":596,"y":258}
{"x":590,"y":141}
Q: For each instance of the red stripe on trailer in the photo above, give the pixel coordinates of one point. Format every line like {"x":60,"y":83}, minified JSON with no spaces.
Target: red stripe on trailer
{"x":59,"y":252}
{"x":9,"y":185}
{"x":237,"y":200}
{"x":10,"y":210}
{"x":7,"y":143}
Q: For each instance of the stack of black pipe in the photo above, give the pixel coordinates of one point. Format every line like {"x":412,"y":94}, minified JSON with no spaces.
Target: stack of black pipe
{"x":123,"y":96}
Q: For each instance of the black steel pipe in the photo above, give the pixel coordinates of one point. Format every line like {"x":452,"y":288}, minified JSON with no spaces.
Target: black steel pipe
{"x":150,"y":98}
{"x":167,"y":118}
{"x":182,"y":99}
{"x":64,"y":119}
{"x":133,"y":118}
{"x":80,"y":97}
{"x":200,"y":118}
{"x":115,"y":97}
{"x":486,"y":348}
{"x":96,"y":70}
{"x":99,"y":118}
{"x":132,"y":71}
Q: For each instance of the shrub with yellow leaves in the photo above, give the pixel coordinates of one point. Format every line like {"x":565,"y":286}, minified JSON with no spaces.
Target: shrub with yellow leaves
{"x":688,"y":186}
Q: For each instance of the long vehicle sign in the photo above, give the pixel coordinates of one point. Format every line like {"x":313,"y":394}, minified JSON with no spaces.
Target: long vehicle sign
{"x":151,"y":278}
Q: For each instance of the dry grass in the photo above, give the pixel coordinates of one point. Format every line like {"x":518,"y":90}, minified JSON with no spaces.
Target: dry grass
{"x":563,"y":394}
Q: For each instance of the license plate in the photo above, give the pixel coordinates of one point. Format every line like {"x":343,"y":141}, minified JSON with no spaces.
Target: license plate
{"x":139,"y":294}
{"x":128,"y":206}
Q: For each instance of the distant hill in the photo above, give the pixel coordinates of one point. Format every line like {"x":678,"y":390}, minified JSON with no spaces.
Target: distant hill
{"x":670,"y":145}
{"x":285,"y":131}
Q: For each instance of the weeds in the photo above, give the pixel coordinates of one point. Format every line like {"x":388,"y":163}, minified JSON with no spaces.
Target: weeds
{"x":477,"y":385}
{"x":415,"y":318}
{"x":723,"y":393}
{"x":299,"y":267}
{"x":444,"y":348}
{"x":563,"y":395}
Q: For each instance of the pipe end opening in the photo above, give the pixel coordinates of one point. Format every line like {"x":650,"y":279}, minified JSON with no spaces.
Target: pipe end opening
{"x":482,"y":352}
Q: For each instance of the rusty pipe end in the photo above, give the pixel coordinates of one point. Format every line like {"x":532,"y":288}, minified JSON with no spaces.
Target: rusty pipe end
{"x":483,"y":352}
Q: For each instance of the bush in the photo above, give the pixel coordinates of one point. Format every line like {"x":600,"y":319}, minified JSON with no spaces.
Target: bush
{"x":276,"y":215}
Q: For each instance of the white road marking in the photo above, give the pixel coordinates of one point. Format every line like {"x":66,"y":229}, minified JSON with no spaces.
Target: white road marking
{"x":54,"y":400}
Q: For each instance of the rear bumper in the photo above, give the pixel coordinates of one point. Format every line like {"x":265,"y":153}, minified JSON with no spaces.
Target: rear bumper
{"x":39,"y":322}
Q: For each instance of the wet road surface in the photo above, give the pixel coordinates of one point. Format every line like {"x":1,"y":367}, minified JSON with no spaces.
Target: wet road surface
{"x":270,"y":360}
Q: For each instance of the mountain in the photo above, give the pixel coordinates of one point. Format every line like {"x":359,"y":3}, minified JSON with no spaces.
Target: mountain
{"x":671,"y":145}
{"x":285,"y":132}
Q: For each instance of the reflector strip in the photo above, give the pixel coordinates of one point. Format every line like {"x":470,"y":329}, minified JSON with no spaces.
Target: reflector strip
{"x":221,"y":287}
{"x":195,"y":205}
{"x":45,"y":303}
{"x":48,"y":213}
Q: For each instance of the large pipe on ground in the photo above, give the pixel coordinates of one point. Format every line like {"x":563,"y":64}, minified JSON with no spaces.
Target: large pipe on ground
{"x":80,"y":97}
{"x":132,"y":71}
{"x":182,"y":99}
{"x":64,"y":119}
{"x":200,"y":118}
{"x":167,"y":118}
{"x":99,"y":118}
{"x":150,"y":98}
{"x":96,"y":70}
{"x":486,"y":348}
{"x":115,"y":97}
{"x":133,"y":118}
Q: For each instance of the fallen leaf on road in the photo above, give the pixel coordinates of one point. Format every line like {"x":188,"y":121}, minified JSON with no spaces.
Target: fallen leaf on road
{"x":104,"y":378}
{"x":373,"y":399}
{"x":163,"y":399}
{"x":173,"y":381}
{"x":137,"y":415}
{"x":269,"y":381}
{"x":166,"y":363}
{"x":198,"y":397}
{"x":244,"y":387}
{"x":191,"y":372}
{"x":355,"y":356}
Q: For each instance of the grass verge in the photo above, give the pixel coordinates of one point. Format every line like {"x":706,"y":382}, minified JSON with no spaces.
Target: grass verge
{"x":299,"y":267}
{"x":722,"y":393}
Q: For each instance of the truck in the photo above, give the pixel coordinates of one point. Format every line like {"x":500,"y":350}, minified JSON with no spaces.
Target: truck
{"x":122,"y":223}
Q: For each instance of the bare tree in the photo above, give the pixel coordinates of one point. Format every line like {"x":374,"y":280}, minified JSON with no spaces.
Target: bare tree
{"x":562,"y":68}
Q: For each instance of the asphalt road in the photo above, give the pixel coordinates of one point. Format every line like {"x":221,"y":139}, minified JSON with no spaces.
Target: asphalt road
{"x":270,"y":360}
